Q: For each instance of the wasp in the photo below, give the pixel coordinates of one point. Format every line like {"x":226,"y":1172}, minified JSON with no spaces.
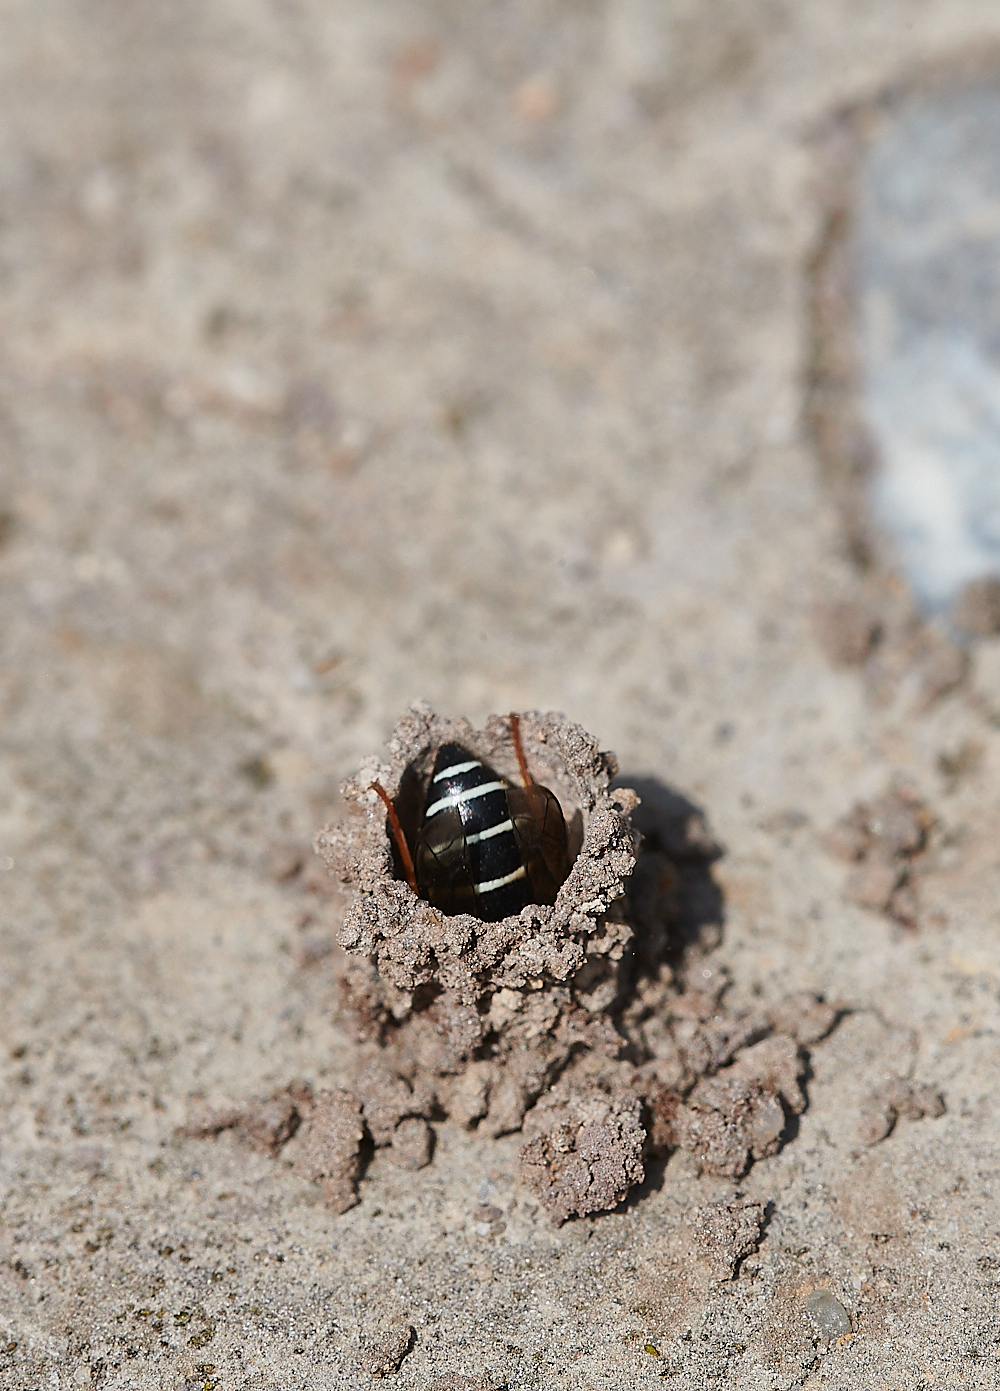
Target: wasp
{"x":482,"y":845}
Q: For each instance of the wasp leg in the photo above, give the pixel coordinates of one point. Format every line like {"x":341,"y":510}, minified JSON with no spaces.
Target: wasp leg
{"x":397,"y":835}
{"x":522,"y":762}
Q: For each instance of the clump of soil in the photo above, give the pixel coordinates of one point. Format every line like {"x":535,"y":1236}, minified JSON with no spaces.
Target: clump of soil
{"x":329,"y":1126}
{"x":385,"y":1352}
{"x":265,"y":1124}
{"x":882,"y":839}
{"x":517,"y":997}
{"x":587,"y":1149}
{"x":881,"y":630}
{"x":899,"y":1098}
{"x":725,"y":1232}
{"x":329,"y":1153}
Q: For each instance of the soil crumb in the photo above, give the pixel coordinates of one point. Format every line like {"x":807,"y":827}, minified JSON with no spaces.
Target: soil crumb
{"x":898,"y":1099}
{"x":588,"y":1153}
{"x":804,"y":1017}
{"x":882,"y":839}
{"x":384,"y":1354}
{"x":329,"y":1152}
{"x":392,"y":1104}
{"x":725,"y":1232}
{"x":741,"y":1114}
{"x":264,"y":1125}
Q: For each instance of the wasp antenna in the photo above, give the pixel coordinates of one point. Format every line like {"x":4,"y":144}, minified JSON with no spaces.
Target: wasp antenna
{"x":397,"y":835}
{"x":522,"y":762}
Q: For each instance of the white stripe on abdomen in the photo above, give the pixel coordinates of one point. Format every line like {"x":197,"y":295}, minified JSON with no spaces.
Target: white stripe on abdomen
{"x":453,"y":798}
{"x":493,"y":831}
{"x":457,"y":768}
{"x":500,"y":883}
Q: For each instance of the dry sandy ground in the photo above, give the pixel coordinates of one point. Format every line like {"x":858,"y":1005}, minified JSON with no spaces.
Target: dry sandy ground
{"x":354,"y":352}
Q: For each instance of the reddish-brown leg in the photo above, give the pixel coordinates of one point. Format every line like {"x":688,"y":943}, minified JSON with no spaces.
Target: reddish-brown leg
{"x":522,"y":762}
{"x":397,"y":835}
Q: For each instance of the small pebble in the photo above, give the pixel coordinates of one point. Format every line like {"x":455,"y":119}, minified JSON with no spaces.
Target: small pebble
{"x":829,"y":1315}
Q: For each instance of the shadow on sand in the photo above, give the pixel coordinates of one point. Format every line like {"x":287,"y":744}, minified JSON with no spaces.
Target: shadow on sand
{"x":676,"y":903}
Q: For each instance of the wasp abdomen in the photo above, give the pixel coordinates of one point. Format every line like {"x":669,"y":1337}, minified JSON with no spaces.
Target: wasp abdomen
{"x":468,"y":856}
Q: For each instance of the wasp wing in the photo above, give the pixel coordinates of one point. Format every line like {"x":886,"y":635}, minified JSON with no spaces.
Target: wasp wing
{"x":442,"y":865}
{"x":540,"y":829}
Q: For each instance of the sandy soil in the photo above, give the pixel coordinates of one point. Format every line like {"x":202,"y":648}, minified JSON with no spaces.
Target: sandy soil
{"x":355,"y":353}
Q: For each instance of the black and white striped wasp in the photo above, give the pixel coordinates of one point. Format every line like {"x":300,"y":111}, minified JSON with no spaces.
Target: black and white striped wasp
{"x":482,"y":845}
